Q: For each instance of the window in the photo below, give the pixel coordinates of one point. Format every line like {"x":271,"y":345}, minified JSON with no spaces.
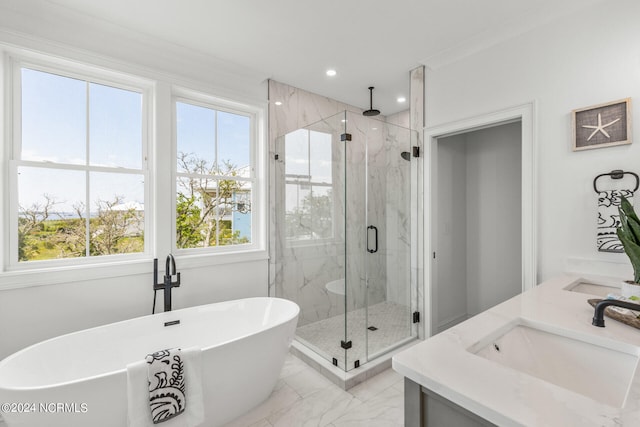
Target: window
{"x":78,"y":167}
{"x":84,"y":172}
{"x":215,"y":176}
{"x":309,"y":188}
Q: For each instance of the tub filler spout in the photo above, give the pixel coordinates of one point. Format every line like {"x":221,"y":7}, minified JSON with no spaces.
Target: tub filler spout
{"x":167,"y":283}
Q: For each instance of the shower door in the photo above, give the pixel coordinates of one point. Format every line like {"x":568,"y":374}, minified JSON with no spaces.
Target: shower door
{"x":380,"y":288}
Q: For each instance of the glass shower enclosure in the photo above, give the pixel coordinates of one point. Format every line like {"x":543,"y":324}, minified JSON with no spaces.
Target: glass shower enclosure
{"x":343,"y":207}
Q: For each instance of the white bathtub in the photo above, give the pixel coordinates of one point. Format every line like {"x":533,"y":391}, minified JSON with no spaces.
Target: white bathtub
{"x":244,"y":345}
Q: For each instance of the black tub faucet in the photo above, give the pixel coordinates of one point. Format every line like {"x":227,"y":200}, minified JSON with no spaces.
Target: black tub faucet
{"x":598,"y":313}
{"x":167,"y":283}
{"x":169,"y":266}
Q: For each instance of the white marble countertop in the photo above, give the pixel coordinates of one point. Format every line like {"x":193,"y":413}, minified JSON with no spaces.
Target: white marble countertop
{"x":508,"y":397}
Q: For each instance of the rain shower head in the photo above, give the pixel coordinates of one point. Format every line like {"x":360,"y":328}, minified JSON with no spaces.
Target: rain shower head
{"x":371,"y":112}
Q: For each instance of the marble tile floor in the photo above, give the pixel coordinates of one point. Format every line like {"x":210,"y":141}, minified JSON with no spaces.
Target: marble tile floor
{"x":303,"y":397}
{"x":393,"y":323}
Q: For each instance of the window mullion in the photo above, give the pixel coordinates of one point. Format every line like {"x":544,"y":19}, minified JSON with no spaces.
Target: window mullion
{"x":87,"y":213}
{"x":216,"y":159}
{"x":217,"y":213}
{"x":87,"y":179}
{"x":17,"y":113}
{"x":218,"y":170}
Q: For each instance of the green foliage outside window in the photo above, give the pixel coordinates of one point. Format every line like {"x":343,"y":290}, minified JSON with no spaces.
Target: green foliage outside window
{"x":203,"y":208}
{"x":43,"y":234}
{"x":205,"y":204}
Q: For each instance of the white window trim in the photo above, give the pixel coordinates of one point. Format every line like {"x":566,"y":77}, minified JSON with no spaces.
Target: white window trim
{"x":14,"y":62}
{"x":257,"y":178}
{"x":159,"y":92}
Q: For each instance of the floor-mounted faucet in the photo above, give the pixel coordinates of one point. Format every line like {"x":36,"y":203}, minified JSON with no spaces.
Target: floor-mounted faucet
{"x":167,"y":283}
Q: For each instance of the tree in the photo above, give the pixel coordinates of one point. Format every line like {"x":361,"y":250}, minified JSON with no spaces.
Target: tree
{"x":203,"y":203}
{"x":188,"y":221}
{"x":71,"y":234}
{"x":111,"y":227}
{"x":114,"y":229}
{"x":30,"y":220}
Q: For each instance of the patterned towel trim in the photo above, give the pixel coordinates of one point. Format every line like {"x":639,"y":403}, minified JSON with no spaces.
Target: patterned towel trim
{"x":609,"y":220}
{"x":166,"y":385}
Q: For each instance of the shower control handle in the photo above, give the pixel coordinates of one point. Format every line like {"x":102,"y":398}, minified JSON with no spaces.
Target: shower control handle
{"x":375,"y":229}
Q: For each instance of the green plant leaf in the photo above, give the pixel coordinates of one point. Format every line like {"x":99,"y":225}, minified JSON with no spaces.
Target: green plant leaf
{"x":632,"y":249}
{"x":634,"y":227}
{"x":627,"y":208}
{"x":628,"y":219}
{"x":629,"y":234}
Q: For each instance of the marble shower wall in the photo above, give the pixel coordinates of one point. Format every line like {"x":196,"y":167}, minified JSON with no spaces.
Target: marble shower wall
{"x":301,"y":270}
{"x":398,"y":215}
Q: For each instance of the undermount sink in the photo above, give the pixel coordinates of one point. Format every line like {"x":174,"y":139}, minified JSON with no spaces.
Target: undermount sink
{"x":592,"y":289}
{"x":594,"y":369}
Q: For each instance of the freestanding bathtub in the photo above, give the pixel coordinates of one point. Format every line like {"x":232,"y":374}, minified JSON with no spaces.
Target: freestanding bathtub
{"x":80,"y":379}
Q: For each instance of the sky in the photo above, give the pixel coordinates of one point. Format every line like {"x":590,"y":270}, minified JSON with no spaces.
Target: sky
{"x":60,"y":115}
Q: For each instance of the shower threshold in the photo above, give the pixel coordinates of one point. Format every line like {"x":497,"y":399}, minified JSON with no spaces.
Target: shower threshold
{"x":371,"y":347}
{"x":380,"y":362}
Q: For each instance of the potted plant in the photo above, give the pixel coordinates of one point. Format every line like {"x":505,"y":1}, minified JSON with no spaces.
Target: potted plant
{"x":629,"y":235}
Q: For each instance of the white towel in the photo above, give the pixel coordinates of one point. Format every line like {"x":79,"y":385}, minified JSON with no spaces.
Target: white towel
{"x":609,"y":219}
{"x":139,"y":413}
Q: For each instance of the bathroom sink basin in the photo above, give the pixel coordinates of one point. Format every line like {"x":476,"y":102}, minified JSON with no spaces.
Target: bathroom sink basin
{"x":600,"y":370}
{"x":592,"y":289}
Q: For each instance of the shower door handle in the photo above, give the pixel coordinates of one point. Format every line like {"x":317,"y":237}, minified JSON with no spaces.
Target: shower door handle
{"x":375,"y":229}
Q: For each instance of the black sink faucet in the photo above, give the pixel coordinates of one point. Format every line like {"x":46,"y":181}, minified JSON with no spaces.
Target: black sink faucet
{"x":598,"y":314}
{"x":167,"y":283}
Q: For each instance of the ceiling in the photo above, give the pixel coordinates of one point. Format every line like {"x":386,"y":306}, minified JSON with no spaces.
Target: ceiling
{"x":369,"y":43}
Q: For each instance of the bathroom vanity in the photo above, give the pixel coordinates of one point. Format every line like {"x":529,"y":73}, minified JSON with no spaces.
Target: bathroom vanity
{"x":533,"y":360}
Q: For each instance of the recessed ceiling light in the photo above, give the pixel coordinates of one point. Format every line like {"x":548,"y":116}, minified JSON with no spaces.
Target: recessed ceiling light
{"x":402,"y":99}
{"x":278,"y":103}
{"x":331,"y":73}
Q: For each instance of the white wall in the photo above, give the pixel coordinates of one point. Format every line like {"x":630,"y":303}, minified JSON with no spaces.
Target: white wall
{"x":587,"y":58}
{"x":451,"y":280}
{"x":494,"y":170}
{"x":76,"y":299}
{"x":478,"y":222}
{"x":32,"y":314}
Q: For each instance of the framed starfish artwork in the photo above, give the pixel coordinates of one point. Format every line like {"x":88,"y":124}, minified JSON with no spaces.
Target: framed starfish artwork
{"x":603,"y":125}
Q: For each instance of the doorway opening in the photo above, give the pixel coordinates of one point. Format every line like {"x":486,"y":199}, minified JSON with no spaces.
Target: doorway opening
{"x":480,"y":215}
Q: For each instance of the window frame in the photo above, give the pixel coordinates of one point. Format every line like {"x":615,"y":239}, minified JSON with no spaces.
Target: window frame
{"x":257,"y":177}
{"x":13,"y":151}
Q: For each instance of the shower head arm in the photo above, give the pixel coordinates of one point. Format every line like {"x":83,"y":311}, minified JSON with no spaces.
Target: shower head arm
{"x":371,"y":112}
